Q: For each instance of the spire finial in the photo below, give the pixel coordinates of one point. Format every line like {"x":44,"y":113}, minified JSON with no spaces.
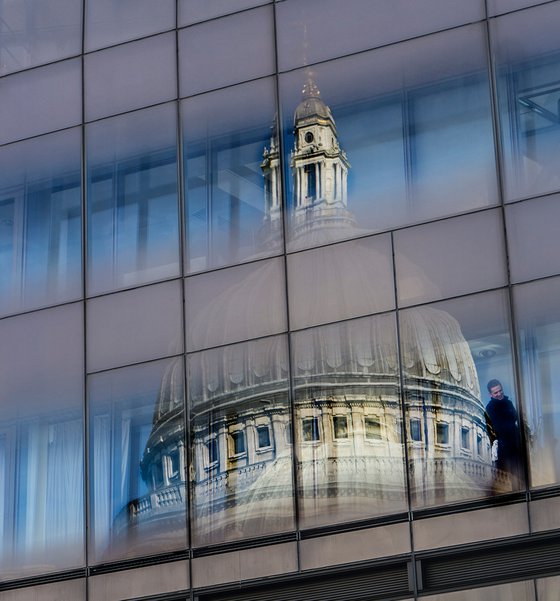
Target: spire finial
{"x":310,"y":89}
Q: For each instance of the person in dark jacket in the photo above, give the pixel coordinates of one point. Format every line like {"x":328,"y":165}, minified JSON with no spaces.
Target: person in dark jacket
{"x":503,"y":425}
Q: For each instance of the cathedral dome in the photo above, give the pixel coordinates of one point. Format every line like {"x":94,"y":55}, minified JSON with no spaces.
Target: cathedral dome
{"x":349,"y":374}
{"x":312,"y":107}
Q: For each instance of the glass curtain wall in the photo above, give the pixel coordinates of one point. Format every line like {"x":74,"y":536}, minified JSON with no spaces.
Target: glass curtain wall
{"x":363,"y":363}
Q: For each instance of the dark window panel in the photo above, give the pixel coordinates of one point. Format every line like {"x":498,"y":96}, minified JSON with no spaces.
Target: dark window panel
{"x":263,"y":433}
{"x":310,"y":429}
{"x":340,"y":426}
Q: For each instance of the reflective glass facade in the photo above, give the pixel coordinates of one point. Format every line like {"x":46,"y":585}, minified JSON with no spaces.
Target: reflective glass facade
{"x":279,"y":290}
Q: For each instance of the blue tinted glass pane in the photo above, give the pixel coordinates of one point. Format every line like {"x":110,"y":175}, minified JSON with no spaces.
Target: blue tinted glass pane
{"x":242,"y":483}
{"x":348,"y":372}
{"x":409,"y":142}
{"x":455,"y":356}
{"x":526,"y":48}
{"x":132,"y":199}
{"x":41,"y":442}
{"x":538,"y":317}
{"x":40,"y":222}
{"x":137,"y":461}
{"x":35,"y":32}
{"x":232,"y":176}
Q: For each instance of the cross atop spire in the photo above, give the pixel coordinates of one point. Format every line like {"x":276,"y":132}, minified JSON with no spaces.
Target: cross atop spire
{"x":310,"y":89}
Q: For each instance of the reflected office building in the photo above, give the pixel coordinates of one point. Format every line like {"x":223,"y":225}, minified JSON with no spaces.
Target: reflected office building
{"x":279,"y":300}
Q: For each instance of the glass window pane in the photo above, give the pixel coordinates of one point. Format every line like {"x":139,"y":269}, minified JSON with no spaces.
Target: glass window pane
{"x":526,"y":49}
{"x":533,"y":241}
{"x":40,"y":222}
{"x":134,"y":326}
{"x":242,"y":479}
{"x":348,"y":371}
{"x":40,"y":101}
{"x":341,"y":281}
{"x":112,"y":21}
{"x":137,"y":461}
{"x":192,"y":11}
{"x":235,"y":304}
{"x":411,"y":141}
{"x":133,"y":223}
{"x":130,"y":76}
{"x":41,"y":442}
{"x":226,"y":51}
{"x":449,"y":258}
{"x":340,"y":426}
{"x":304,"y":25}
{"x":459,"y":387}
{"x":538,"y":326}
{"x":232,"y":176}
{"x":35,"y":32}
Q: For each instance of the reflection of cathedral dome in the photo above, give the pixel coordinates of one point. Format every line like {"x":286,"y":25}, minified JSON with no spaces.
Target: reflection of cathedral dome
{"x":346,"y":378}
{"x":433,"y":348}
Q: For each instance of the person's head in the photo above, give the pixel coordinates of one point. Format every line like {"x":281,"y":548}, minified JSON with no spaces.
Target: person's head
{"x":495,"y":389}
